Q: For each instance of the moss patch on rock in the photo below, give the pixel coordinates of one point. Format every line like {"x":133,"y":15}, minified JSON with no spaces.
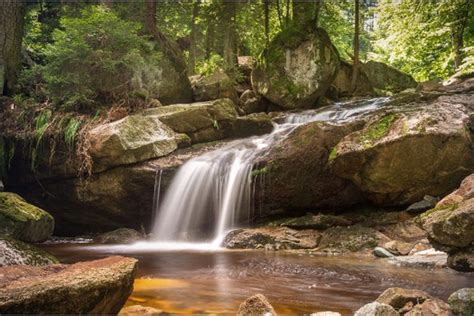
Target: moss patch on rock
{"x":22,"y":220}
{"x":348,"y":239}
{"x":14,"y":252}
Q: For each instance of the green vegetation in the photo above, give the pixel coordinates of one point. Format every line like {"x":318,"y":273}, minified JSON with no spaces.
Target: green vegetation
{"x":332,"y":154}
{"x":259,"y":172}
{"x":377,"y":130}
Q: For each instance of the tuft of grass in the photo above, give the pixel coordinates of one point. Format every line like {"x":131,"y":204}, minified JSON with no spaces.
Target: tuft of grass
{"x":70,"y":132}
{"x":333,"y":154}
{"x":378,"y":130}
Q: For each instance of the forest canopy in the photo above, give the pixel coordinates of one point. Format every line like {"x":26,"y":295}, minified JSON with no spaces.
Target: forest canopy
{"x":88,"y":42}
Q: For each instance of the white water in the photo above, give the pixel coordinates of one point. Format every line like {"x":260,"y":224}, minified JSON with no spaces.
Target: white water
{"x":212,"y":194}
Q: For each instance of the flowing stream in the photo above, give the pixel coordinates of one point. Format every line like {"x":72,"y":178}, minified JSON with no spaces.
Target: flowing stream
{"x":212,"y":194}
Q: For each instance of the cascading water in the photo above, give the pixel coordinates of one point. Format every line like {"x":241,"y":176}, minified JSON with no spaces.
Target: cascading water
{"x":212,"y":193}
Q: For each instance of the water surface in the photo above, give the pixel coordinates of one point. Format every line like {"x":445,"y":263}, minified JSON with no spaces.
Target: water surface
{"x":218,"y":281}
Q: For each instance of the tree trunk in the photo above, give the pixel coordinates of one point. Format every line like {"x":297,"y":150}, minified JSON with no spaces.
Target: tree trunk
{"x":355,"y":67}
{"x":12,"y":14}
{"x":228,"y":15}
{"x":169,"y":47}
{"x":280,"y":18}
{"x":192,"y":48}
{"x":266,"y":10}
{"x":318,"y":5}
{"x":303,"y":13}
{"x":458,"y":33}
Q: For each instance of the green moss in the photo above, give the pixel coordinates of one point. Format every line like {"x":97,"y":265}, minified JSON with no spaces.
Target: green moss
{"x":16,"y":252}
{"x":13,"y":206}
{"x":259,"y":172}
{"x":333,"y":154}
{"x":377,"y":130}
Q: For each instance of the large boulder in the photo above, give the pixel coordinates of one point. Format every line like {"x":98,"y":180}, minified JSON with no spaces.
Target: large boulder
{"x":130,"y":140}
{"x":208,"y":121}
{"x":298,"y":173}
{"x":405,"y":153}
{"x":296,"y":68}
{"x":22,"y":220}
{"x":212,"y":87}
{"x":251,"y":102}
{"x":93,"y":287}
{"x":387,"y":78}
{"x":172,"y":84}
{"x":343,"y":82}
{"x":14,"y":252}
{"x":449,"y":226}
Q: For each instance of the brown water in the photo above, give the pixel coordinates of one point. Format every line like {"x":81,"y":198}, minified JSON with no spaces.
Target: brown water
{"x":217,"y":282}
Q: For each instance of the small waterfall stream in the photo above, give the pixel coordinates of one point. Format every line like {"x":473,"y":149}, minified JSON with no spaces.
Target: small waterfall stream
{"x":213,"y":193}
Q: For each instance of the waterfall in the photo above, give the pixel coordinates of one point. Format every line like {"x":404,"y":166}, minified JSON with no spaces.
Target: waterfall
{"x":213,"y":193}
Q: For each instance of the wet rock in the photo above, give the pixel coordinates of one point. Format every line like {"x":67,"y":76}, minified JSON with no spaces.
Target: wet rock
{"x":295,"y":73}
{"x":271,"y":239}
{"x":119,"y":236}
{"x":376,"y":309}
{"x":140,"y":310}
{"x":437,"y":151}
{"x":463,"y":193}
{"x":387,"y":78}
{"x":256,"y":305}
{"x":427,"y":259}
{"x":22,"y":220}
{"x":432,"y":306}
{"x":451,"y":227}
{"x":398,"y":247}
{"x":404,"y":230}
{"x":398,"y":298}
{"x":382,"y":252}
{"x":212,"y":87}
{"x":14,"y":252}
{"x":427,"y":203}
{"x":462,"y":302}
{"x":462,"y":260}
{"x":93,"y":287}
{"x":343,"y":82}
{"x":250,"y":125}
{"x":299,"y":172}
{"x":349,"y":239}
{"x":320,"y":221}
{"x":120,"y":197}
{"x":132,"y":139}
{"x":251,"y":102}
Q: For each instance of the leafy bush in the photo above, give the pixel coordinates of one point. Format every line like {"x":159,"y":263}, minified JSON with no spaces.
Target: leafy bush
{"x":214,"y":64}
{"x":99,"y":59}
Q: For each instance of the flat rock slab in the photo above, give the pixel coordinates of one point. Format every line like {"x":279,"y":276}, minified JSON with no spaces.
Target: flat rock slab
{"x":92,"y":287}
{"x":423,"y":259}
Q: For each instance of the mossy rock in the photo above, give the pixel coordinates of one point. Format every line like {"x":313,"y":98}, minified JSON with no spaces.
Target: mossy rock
{"x":387,"y":78}
{"x":14,"y":252}
{"x":321,"y":221}
{"x":22,"y":220}
{"x":348,"y":239}
{"x":297,"y":68}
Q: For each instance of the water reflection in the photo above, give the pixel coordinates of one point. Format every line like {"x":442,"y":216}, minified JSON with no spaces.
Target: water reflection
{"x":218,"y":281}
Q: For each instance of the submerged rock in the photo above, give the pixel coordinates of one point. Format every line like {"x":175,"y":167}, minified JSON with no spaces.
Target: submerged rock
{"x":93,"y":287}
{"x":14,"y":252}
{"x":296,"y":68}
{"x":271,"y":239}
{"x":22,"y":220}
{"x":387,"y":78}
{"x":376,"y":309}
{"x":256,"y":305}
{"x":212,"y":87}
{"x":119,"y":236}
{"x":140,"y":310}
{"x":462,"y":302}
